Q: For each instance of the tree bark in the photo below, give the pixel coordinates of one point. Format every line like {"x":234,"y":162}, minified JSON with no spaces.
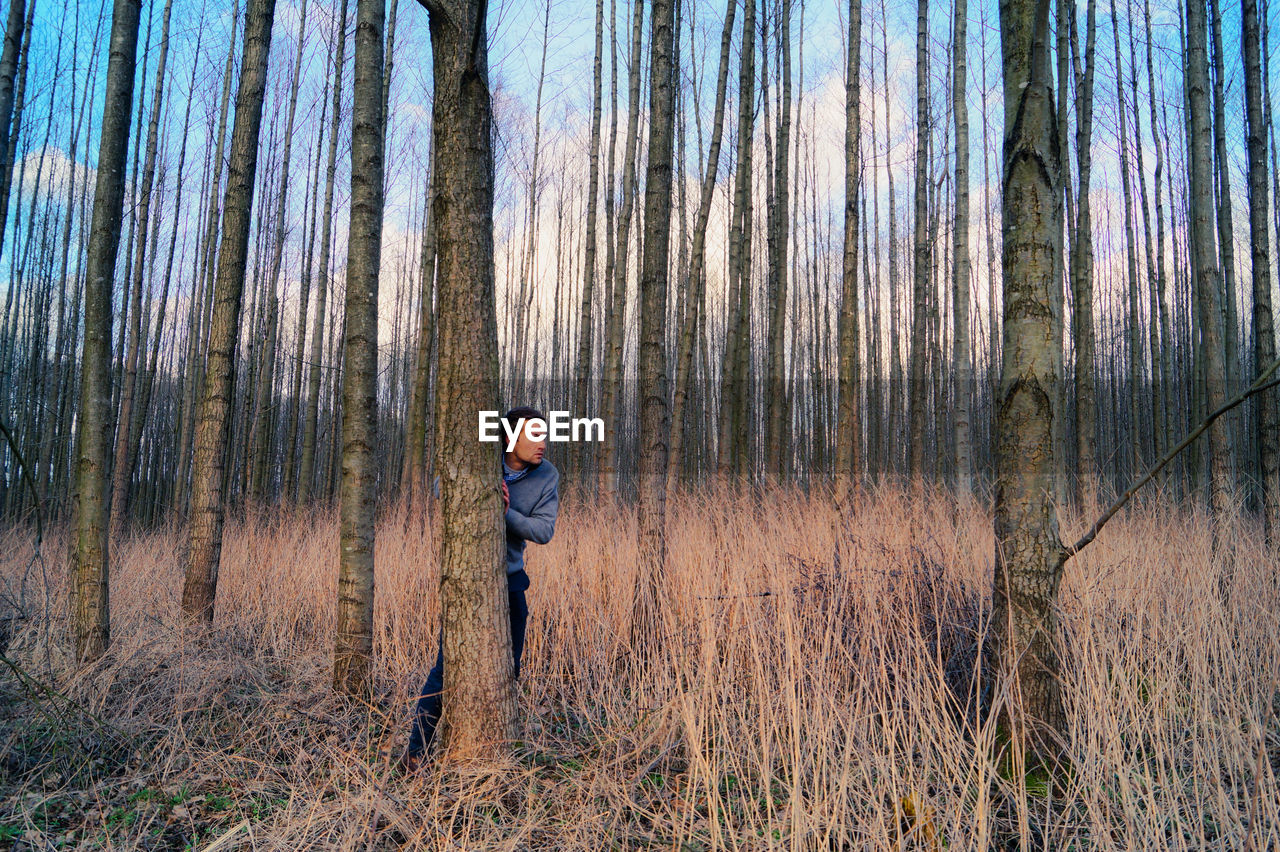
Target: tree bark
{"x":849,"y":415}
{"x":648,"y":613}
{"x":306,"y":475}
{"x":353,"y":650}
{"x":1264,"y":344}
{"x":1204,"y":263}
{"x":922,"y":253}
{"x":1029,"y":553}
{"x":479,"y":711}
{"x":90,"y":610}
{"x":214,"y":420}
{"x":960,"y":256}
{"x":126,"y":450}
{"x":694,"y":314}
{"x":1082,"y":265}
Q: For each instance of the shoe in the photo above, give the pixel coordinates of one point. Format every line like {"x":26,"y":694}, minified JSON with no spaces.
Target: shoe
{"x":409,"y":763}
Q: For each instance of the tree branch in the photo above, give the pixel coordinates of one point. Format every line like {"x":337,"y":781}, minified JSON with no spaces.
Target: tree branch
{"x":1260,"y":385}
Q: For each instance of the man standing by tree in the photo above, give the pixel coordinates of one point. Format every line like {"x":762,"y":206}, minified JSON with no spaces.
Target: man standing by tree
{"x":531,"y":501}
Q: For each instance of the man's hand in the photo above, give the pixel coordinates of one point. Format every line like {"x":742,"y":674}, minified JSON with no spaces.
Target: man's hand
{"x":506,"y":497}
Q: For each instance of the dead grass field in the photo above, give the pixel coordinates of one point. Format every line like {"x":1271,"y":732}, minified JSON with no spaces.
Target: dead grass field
{"x":800,"y":706}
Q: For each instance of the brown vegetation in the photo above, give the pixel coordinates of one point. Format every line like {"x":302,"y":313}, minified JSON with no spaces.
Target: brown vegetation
{"x":799,"y":708}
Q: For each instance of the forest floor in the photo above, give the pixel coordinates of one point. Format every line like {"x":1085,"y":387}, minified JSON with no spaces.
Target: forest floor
{"x":800,"y":705}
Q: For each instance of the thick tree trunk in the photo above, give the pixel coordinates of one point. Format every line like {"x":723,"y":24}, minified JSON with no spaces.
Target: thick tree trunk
{"x":647,"y":615}
{"x":90,"y":612}
{"x":1204,"y":259}
{"x":479,"y":712}
{"x":353,"y":650}
{"x":1029,"y":554}
{"x":214,"y":420}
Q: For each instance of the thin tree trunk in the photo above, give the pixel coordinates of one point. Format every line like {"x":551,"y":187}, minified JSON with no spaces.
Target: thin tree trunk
{"x":1264,"y":345}
{"x":306,"y":478}
{"x":125,"y":450}
{"x":922,"y":253}
{"x":1082,"y":265}
{"x":849,"y":416}
{"x":960,"y":258}
{"x":774,"y":443}
{"x":583,"y":390}
{"x":693,"y":316}
{"x":612,"y":395}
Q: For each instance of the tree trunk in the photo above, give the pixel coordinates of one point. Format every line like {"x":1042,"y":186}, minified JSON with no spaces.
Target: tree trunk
{"x":849,"y":416}
{"x":353,"y":649}
{"x":583,"y":390}
{"x":479,"y":712}
{"x":1204,"y":263}
{"x":1029,"y":554}
{"x":306,"y":475}
{"x":774,"y":444}
{"x":960,"y":257}
{"x":13,"y":38}
{"x":612,"y":393}
{"x":694,"y":314}
{"x":214,"y":420}
{"x":90,"y":611}
{"x":922,"y":253}
{"x":648,"y":613}
{"x":1264,"y":345}
{"x":731,"y":383}
{"x":1082,"y":266}
{"x":125,"y":450}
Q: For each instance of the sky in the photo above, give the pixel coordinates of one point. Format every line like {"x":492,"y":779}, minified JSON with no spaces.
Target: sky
{"x":68,"y":39}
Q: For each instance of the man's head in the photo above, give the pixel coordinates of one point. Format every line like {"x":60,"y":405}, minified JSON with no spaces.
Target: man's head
{"x":527,"y":451}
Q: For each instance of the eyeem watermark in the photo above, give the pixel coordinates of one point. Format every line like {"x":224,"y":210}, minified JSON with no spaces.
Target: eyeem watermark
{"x":558,"y":428}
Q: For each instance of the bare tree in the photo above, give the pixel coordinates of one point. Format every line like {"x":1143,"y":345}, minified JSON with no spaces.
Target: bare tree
{"x":647,"y":611}
{"x":90,"y":612}
{"x":923,"y":254}
{"x":214,"y":420}
{"x":849,"y":418}
{"x":353,"y":651}
{"x":1029,"y":554}
{"x":1264,"y":344}
{"x":960,"y":255}
{"x":480,"y":710}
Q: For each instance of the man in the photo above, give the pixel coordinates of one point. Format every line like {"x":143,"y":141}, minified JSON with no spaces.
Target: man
{"x":531,"y":500}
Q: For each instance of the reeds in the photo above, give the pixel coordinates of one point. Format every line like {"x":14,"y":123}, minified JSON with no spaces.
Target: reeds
{"x":796,"y":706}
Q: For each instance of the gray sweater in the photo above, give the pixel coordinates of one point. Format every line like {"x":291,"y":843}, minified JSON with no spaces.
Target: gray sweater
{"x":535,"y":501}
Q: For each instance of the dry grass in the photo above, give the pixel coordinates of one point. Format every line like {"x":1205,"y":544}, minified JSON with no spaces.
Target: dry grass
{"x":800,"y":707}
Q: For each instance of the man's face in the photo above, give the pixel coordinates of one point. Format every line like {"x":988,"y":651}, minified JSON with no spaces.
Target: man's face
{"x":527,"y":450}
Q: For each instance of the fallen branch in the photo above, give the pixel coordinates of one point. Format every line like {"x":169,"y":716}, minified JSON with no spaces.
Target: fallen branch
{"x":1259,"y":385}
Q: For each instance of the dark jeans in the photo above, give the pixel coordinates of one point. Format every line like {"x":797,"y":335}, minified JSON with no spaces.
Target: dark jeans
{"x":426,"y":715}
